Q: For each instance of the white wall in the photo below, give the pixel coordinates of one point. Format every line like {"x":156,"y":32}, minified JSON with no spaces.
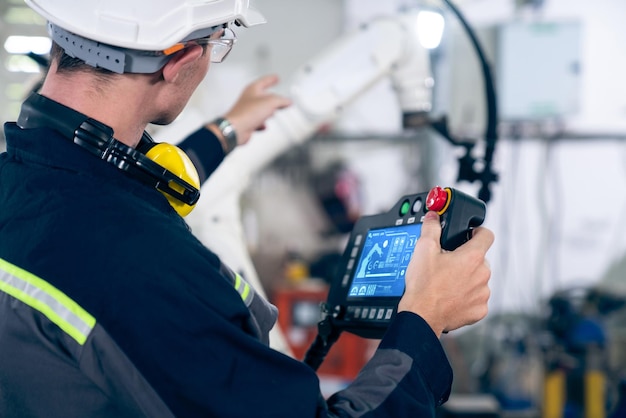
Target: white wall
{"x":558,"y":209}
{"x":603,"y":94}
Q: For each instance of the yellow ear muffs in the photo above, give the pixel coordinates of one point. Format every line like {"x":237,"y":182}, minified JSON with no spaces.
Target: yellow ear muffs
{"x":175,"y":160}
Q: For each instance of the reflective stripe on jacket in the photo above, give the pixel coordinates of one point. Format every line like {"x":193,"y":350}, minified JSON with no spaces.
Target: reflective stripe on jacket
{"x":51,"y":347}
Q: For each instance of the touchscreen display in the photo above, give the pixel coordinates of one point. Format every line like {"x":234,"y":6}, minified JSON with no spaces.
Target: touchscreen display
{"x":383,"y":262}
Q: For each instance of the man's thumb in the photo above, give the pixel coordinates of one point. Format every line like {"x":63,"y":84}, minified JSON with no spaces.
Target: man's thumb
{"x":431,"y":226}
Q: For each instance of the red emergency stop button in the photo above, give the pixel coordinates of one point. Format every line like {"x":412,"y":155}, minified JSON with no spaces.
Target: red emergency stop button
{"x":437,"y":199}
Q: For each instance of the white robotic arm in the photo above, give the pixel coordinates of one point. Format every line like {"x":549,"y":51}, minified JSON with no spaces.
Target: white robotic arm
{"x":323,"y":87}
{"x":386,"y":47}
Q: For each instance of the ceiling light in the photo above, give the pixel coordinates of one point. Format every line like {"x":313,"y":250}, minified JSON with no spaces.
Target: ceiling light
{"x":430,"y":28}
{"x":24,"y":44}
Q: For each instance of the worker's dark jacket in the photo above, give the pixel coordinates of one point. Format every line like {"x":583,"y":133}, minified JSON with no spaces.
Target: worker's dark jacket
{"x":109,"y":307}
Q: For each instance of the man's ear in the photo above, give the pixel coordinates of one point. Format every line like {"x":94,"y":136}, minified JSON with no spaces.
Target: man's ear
{"x":182,"y":58}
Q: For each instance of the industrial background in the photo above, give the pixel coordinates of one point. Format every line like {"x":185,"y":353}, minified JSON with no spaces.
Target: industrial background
{"x":554,"y":342}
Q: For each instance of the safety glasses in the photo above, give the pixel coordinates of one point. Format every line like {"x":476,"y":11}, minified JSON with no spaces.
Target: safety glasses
{"x":219,"y":47}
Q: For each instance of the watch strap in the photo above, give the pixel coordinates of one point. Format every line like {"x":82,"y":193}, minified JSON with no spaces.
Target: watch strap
{"x":228,"y":132}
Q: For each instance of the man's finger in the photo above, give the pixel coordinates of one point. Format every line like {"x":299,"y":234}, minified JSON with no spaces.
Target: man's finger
{"x":266,"y":82}
{"x":431,"y":227}
{"x":481,"y":238}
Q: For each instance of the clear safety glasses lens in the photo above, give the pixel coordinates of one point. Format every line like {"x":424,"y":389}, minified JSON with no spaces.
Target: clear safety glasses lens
{"x":220,"y":47}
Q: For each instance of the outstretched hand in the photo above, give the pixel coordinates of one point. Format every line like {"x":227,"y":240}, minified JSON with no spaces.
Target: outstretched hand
{"x":448,"y":289}
{"x":254,"y":106}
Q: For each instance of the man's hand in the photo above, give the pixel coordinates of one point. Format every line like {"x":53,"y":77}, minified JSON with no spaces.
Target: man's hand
{"x":448,"y":289}
{"x":254,"y":106}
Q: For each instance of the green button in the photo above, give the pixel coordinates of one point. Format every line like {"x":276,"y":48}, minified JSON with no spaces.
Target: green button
{"x":404,"y":209}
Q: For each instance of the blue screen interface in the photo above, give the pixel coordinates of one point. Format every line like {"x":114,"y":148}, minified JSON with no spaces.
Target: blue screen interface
{"x":384,"y":259}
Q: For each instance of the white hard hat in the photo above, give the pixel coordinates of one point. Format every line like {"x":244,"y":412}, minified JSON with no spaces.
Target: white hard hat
{"x":149,"y":25}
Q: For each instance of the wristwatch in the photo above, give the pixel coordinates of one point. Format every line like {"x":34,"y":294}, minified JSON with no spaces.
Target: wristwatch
{"x":228,"y":132}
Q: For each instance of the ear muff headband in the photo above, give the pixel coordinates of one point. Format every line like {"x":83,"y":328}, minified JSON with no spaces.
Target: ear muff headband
{"x":181,"y":189}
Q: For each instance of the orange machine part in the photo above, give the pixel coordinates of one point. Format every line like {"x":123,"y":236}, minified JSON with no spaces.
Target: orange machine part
{"x":345,"y":358}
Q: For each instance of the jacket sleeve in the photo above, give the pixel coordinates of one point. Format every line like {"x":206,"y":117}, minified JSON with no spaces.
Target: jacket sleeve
{"x":198,"y":350}
{"x":408,"y":376}
{"x":204,"y":150}
{"x":210,"y":361}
